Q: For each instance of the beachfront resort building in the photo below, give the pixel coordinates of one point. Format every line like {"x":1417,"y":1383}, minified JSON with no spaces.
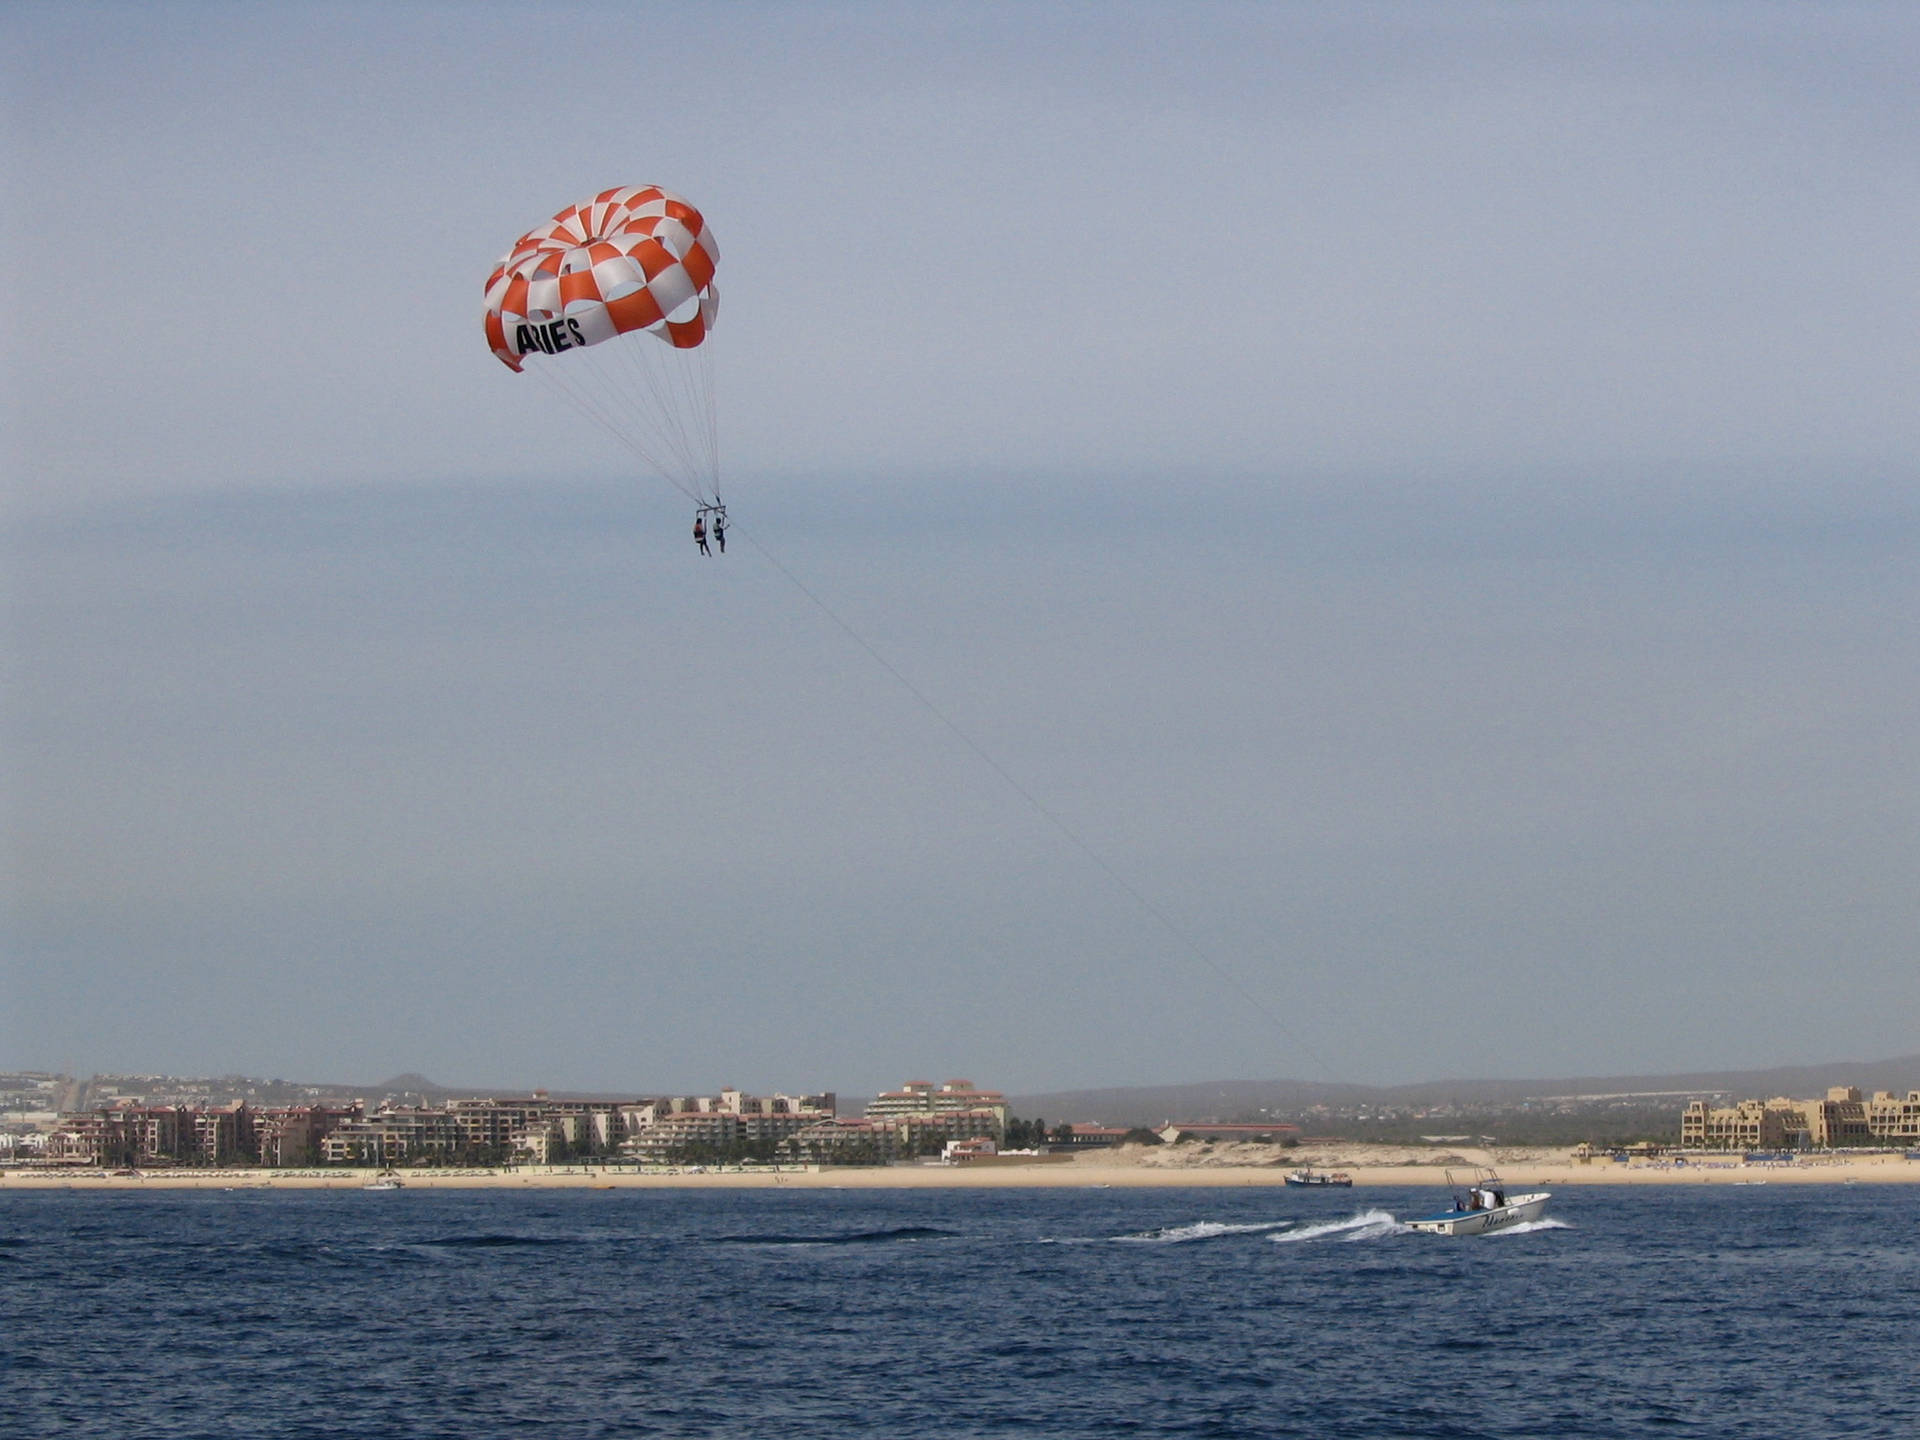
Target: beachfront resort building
{"x":881,"y":1139}
{"x":123,"y":1135}
{"x":731,"y":1122}
{"x":1084,"y":1136}
{"x":923,"y":1097}
{"x":1749,"y":1125}
{"x":918,"y":1119}
{"x":1843,"y":1119}
{"x":536,"y":1129}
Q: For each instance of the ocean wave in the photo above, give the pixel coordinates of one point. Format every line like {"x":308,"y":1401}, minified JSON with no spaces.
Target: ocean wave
{"x":1199,"y":1230}
{"x":1367,"y":1225}
{"x":859,"y":1237}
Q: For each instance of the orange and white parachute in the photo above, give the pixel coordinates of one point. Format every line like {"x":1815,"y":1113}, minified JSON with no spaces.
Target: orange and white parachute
{"x":585,"y":301}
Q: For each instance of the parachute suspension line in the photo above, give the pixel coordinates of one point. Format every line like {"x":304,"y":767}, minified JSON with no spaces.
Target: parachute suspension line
{"x":1186,"y":942}
{"x":712,"y":415}
{"x":634,"y":382}
{"x":570,"y":389}
{"x":607,"y":415}
{"x":641,"y":377}
{"x":636,"y":400}
{"x":585,"y":388}
{"x":658,"y":404}
{"x":700,"y":411}
{"x":661,"y":375}
{"x":575,"y":389}
{"x":682,"y":374}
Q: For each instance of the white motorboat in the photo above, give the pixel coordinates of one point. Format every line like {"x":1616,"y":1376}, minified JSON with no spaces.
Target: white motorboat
{"x":385,"y":1180}
{"x":1481,"y":1206}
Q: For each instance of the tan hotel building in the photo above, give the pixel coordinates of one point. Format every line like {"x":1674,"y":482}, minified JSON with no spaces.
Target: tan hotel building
{"x":1843,"y":1119}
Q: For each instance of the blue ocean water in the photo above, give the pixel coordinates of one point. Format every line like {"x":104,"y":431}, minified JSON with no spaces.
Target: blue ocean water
{"x":1716,"y":1312}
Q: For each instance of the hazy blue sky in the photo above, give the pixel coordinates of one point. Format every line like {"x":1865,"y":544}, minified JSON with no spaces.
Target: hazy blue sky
{"x":1425,"y":493}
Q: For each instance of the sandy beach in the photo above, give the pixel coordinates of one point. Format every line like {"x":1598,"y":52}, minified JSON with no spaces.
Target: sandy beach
{"x":1370,"y":1166}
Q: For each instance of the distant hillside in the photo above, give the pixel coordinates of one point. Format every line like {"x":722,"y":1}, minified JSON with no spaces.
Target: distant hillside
{"x":1227,"y":1100}
{"x":412,"y":1084}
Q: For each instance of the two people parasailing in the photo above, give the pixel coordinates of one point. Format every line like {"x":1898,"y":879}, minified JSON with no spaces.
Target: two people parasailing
{"x":717,"y":513}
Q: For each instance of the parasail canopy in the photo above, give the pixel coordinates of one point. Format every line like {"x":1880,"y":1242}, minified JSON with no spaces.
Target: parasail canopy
{"x":634,"y":259}
{"x":584,"y":299}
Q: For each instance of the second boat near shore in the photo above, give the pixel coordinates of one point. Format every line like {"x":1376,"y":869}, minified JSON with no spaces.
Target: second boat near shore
{"x":1309,"y":1176}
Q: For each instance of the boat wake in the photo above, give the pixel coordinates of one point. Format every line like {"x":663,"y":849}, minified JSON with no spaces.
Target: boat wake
{"x":1529,"y":1227}
{"x":1367,"y":1225}
{"x":1199,"y":1230}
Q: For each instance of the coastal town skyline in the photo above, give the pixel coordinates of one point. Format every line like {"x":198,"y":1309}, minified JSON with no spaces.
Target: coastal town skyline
{"x":147,"y":1121}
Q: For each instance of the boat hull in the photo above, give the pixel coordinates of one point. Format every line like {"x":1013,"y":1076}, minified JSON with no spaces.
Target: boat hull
{"x":1316,"y":1178}
{"x":1517,"y":1211}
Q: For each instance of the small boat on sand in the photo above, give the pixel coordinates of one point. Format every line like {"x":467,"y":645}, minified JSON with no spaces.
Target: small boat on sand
{"x":1482,"y":1205}
{"x":1310,"y":1176}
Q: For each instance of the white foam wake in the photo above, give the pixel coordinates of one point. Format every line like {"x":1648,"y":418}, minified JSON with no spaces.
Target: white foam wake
{"x":1367,"y":1225}
{"x":1199,"y":1230}
{"x":1527,"y":1227}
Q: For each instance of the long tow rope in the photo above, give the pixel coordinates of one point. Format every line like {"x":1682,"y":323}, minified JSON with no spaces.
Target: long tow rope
{"x":605,"y":412}
{"x":1186,"y":942}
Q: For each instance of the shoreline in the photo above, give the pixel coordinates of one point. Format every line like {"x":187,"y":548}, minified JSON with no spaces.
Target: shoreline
{"x":1135,"y":1170}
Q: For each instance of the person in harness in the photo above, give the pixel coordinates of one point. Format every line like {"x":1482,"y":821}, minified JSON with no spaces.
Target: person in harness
{"x":700,"y":531}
